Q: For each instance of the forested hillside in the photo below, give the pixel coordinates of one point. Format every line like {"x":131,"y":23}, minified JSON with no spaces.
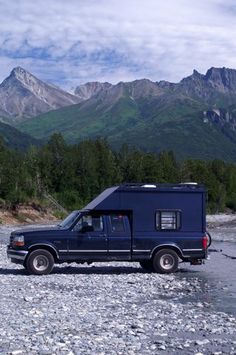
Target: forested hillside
{"x":74,"y":174}
{"x":16,"y":139}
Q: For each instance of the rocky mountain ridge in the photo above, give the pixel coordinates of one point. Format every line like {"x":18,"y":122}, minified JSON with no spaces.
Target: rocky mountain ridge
{"x":22,"y":96}
{"x":195,"y":118}
{"x":221,"y":80}
{"x":87,"y":90}
{"x":206,"y":87}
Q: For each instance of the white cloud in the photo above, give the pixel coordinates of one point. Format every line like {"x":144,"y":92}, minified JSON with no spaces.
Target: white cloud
{"x":77,"y":41}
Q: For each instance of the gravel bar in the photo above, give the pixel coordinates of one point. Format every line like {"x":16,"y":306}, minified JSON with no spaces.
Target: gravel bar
{"x":108,"y":308}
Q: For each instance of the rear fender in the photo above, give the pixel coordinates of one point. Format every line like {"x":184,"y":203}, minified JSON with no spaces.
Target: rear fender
{"x":168,"y":246}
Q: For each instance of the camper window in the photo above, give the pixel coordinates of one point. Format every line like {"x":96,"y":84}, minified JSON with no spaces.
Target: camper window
{"x":168,"y":220}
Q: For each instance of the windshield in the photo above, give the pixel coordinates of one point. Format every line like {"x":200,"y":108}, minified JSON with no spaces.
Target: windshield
{"x":69,"y":220}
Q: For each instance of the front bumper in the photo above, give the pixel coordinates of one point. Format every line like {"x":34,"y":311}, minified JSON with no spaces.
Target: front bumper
{"x":17,"y":254}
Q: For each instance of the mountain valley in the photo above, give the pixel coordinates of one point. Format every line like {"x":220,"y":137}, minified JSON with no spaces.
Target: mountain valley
{"x":195,"y":118}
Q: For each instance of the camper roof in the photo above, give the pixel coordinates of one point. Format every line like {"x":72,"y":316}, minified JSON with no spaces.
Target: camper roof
{"x":100,"y":198}
{"x":107,"y":199}
{"x":183,"y":186}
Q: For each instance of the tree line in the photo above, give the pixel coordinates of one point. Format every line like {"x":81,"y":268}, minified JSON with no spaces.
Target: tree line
{"x":75,"y":174}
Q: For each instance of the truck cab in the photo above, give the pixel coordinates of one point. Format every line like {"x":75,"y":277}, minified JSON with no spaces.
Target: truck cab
{"x":99,"y":236}
{"x":156,"y":225}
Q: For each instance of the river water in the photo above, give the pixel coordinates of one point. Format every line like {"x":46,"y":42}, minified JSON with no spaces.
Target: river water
{"x":218,"y":275}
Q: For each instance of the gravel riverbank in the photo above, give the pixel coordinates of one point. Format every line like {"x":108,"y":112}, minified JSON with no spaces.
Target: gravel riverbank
{"x":111,"y":308}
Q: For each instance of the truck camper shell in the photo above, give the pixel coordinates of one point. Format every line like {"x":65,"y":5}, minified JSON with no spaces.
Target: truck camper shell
{"x":144,"y":201}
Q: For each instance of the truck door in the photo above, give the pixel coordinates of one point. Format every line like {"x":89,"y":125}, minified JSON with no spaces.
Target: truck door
{"x":88,"y":239}
{"x":119,"y":237}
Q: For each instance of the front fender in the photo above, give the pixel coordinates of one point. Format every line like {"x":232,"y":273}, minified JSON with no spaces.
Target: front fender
{"x":46,"y":246}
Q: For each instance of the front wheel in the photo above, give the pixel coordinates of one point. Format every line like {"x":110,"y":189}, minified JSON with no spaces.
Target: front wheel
{"x":39,"y":262}
{"x":165,"y":261}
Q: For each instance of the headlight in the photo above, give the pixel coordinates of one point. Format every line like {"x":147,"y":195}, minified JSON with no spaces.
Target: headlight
{"x":18,"y":241}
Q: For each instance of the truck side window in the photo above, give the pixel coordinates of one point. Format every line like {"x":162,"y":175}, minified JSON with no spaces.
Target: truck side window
{"x":168,"y":220}
{"x":90,"y":223}
{"x":97,"y":223}
{"x":117,"y":223}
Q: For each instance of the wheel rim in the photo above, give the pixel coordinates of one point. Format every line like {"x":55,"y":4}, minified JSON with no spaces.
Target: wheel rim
{"x":167,"y":261}
{"x":40,"y":263}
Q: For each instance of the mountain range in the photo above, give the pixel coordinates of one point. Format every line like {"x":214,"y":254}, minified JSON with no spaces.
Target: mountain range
{"x":196,"y":118}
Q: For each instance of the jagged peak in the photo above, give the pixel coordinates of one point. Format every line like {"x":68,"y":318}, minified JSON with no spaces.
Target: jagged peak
{"x":196,"y":73}
{"x":144,"y":80}
{"x":93,"y":84}
{"x":218,"y":71}
{"x":25,"y":78}
{"x":89,"y":89}
{"x":212,"y":71}
{"x":17,"y":70}
{"x":20,"y":73}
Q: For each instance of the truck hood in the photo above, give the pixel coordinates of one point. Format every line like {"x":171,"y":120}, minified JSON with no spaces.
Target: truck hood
{"x":32,"y":230}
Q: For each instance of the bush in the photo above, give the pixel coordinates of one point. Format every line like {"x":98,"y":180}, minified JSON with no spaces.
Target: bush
{"x":16,"y":197}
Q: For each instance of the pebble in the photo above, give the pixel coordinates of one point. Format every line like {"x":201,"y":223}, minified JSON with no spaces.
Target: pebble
{"x":202,"y":342}
{"x":153,"y":347}
{"x":162,"y":347}
{"x":112,"y":308}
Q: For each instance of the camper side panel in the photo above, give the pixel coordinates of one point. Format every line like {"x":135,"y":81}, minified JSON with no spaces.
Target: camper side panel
{"x":166,"y":218}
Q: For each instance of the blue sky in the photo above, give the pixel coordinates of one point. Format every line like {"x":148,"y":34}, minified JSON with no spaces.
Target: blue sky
{"x":71,"y":42}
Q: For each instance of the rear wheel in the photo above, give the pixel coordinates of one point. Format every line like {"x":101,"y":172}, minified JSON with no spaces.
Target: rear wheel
{"x":165,"y":261}
{"x":147,"y":265}
{"x":39,"y":262}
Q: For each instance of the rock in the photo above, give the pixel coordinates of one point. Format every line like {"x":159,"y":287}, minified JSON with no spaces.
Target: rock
{"x":162,"y":347}
{"x":193,"y":330}
{"x":153,"y":347}
{"x":202,"y":342}
{"x":28,"y":299}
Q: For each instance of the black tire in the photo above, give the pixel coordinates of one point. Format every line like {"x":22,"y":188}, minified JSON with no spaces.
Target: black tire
{"x":40,"y":262}
{"x":165,"y":261}
{"x":147,"y":265}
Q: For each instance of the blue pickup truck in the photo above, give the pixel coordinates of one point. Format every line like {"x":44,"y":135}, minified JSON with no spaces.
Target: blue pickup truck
{"x":157,"y":225}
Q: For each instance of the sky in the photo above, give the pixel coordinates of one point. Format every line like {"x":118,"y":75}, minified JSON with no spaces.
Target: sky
{"x":71,"y":42}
